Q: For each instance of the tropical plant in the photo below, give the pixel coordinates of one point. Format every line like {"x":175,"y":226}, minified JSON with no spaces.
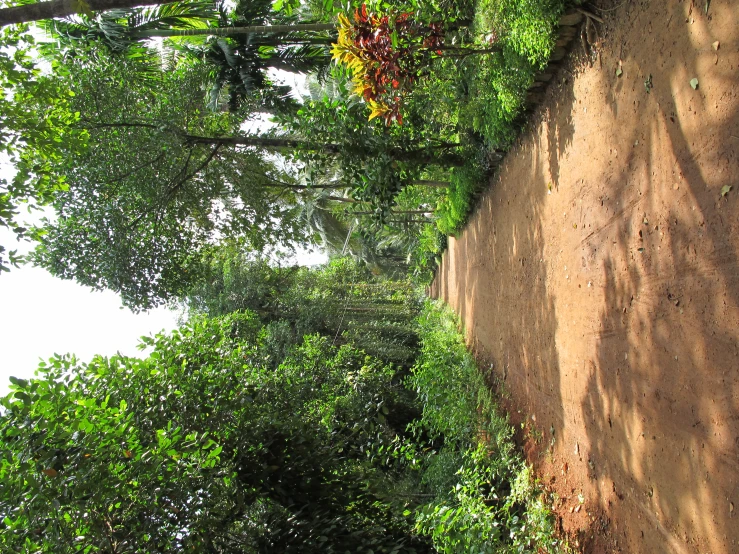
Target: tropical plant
{"x":239,"y":45}
{"x":385,"y":54}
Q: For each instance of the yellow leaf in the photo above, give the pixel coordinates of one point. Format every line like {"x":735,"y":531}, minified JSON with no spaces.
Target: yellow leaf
{"x":377,"y":110}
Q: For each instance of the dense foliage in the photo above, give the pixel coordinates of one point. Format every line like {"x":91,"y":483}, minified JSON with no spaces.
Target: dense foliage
{"x":207,"y":444}
{"x":485,"y":500}
{"x":201,"y":447}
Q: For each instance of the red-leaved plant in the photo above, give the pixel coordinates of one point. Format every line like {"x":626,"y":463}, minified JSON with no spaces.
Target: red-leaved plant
{"x":386,"y":54}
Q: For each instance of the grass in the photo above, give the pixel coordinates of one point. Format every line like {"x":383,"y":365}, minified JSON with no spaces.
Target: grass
{"x":453,"y":207}
{"x":485,"y":498}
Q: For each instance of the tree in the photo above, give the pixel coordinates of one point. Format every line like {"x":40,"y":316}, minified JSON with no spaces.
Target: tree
{"x":146,"y":201}
{"x":201,"y":448}
{"x":259,"y":38}
{"x":36,"y":11}
{"x":36,"y":116}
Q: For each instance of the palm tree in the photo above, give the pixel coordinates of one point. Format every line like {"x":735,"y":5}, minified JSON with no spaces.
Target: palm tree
{"x":239,"y":62}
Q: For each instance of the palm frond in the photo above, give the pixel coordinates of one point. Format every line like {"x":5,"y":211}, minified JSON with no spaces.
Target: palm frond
{"x":303,"y":58}
{"x":177,"y":15}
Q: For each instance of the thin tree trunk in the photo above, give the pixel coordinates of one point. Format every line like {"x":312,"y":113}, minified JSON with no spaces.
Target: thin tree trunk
{"x":427,"y":183}
{"x":228,"y":31}
{"x":342,"y":199}
{"x":304,"y":187}
{"x":421,"y":155}
{"x":290,"y":41}
{"x":262,"y":142}
{"x":63,"y":8}
{"x":395,"y":212}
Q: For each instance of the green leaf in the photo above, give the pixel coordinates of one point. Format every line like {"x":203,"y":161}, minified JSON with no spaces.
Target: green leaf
{"x":20,"y":383}
{"x":694,"y":83}
{"x":619,"y":72}
{"x":725,"y":190}
{"x":20,"y":395}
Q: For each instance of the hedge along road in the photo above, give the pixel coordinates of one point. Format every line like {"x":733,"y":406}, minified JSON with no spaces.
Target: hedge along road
{"x":599,"y":276}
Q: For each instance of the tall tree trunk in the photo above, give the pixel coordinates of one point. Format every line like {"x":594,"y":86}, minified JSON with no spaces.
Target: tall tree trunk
{"x":420,"y":155}
{"x":288,"y":41}
{"x":395,"y":212}
{"x":228,"y":31}
{"x":428,"y":183}
{"x":263,"y":142}
{"x":63,"y":8}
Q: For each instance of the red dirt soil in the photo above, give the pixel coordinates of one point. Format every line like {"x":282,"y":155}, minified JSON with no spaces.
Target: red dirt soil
{"x":599,"y":277}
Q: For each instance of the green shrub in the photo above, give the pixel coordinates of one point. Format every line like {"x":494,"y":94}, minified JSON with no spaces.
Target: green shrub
{"x":483,"y":95}
{"x":485,"y":498}
{"x":464,"y":184}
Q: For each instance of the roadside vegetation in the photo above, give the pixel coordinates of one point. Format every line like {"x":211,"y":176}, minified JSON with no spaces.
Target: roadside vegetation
{"x":267,"y":429}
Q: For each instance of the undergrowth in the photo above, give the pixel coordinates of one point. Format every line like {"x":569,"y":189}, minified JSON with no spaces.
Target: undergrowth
{"x":481,"y":98}
{"x":485,"y":498}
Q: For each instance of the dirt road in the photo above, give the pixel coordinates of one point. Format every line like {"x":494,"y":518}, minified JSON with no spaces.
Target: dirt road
{"x":600,"y":277}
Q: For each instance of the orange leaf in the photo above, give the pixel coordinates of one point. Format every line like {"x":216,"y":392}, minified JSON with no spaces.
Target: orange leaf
{"x":50,"y":472}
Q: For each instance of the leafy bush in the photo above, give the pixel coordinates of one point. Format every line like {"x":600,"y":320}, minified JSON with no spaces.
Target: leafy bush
{"x":465,"y":183}
{"x":483,"y":95}
{"x":426,"y":255}
{"x":201,"y":447}
{"x":485,"y":498}
{"x":526,"y":26}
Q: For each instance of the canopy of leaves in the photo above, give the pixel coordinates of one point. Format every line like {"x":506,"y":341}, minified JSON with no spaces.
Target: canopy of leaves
{"x":145,"y":202}
{"x":200,"y":447}
{"x":36,"y":116}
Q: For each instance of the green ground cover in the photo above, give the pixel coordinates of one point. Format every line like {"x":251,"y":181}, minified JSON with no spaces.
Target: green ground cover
{"x":485,"y":499}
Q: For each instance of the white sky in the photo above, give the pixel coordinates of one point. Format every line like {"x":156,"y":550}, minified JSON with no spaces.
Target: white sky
{"x":43,"y":315}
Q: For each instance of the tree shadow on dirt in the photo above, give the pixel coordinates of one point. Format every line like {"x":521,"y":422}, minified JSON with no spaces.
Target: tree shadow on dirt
{"x":663,"y":393}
